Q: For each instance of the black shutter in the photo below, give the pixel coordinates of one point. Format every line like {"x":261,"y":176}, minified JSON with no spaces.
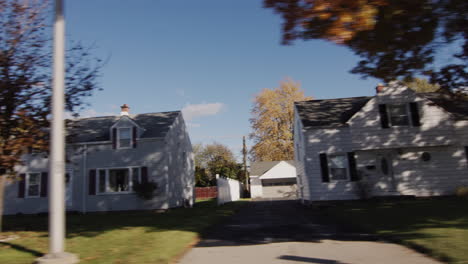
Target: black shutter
{"x":466,"y":153}
{"x":44,"y":184}
{"x":324,"y":167}
{"x":22,"y":185}
{"x":415,"y":114}
{"x":92,"y":182}
{"x":383,"y":116}
{"x":144,"y":174}
{"x":114,"y":138}
{"x":352,"y":167}
{"x":134,"y":137}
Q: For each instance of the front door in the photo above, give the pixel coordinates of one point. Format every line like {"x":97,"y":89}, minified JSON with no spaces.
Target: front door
{"x":385,"y":164}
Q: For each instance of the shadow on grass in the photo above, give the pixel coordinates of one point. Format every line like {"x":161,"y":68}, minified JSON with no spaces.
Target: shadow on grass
{"x":406,"y":222}
{"x":21,"y":248}
{"x":197,"y":219}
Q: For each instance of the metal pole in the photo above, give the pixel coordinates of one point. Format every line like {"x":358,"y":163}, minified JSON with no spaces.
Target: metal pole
{"x":57,"y":150}
{"x":57,"y":144}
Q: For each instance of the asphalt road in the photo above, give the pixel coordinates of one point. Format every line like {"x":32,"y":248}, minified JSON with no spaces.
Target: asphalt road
{"x":275,"y":231}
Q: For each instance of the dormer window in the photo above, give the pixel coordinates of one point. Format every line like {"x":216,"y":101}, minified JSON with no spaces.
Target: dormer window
{"x":398,"y":114}
{"x":124,"y":136}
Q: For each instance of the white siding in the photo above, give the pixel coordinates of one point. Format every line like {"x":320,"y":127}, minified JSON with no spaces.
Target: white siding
{"x":436,"y":127}
{"x":330,"y":141}
{"x":438,"y":135}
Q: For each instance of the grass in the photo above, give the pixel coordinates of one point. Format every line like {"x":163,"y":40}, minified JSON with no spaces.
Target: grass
{"x":436,"y":227}
{"x":118,"y":237}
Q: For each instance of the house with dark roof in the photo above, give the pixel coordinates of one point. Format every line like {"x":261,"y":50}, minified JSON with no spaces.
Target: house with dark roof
{"x":107,"y":157}
{"x":397,"y":142}
{"x":273,"y":179}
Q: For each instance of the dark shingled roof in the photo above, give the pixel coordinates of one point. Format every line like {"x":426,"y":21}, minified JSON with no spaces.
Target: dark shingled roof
{"x":450,"y":103}
{"x":98,"y":128}
{"x":336,"y":112}
{"x":261,"y":167}
{"x":329,"y":112}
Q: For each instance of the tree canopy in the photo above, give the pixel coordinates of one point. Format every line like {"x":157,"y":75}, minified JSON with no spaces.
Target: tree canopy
{"x":212,"y":159}
{"x":273,"y":120}
{"x":395,"y":39}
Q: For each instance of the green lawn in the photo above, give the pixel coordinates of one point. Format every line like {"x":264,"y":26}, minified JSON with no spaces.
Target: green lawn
{"x":437,"y":227}
{"x":130,"y":237}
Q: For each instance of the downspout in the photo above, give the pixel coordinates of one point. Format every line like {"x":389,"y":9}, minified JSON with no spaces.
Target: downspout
{"x":85,"y":157}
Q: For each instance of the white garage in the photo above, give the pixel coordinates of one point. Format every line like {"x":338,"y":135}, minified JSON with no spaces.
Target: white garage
{"x":273,"y":179}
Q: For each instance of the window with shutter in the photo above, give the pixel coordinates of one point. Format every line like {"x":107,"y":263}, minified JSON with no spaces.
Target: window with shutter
{"x":324,"y":167}
{"x":92,"y":182}
{"x":352,"y":167}
{"x":398,"y":114}
{"x":124,"y":137}
{"x":383,"y":116}
{"x":33,"y":185}
{"x":119,"y":180}
{"x":22,"y":185}
{"x":44,"y":184}
{"x":415,"y":118}
{"x":338,"y":167}
{"x":466,"y":153}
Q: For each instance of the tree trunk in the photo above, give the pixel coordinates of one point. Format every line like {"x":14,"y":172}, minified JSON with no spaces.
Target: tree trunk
{"x":2,"y":192}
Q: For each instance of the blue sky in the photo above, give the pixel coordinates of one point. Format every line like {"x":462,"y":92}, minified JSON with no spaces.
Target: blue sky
{"x":208,"y":57}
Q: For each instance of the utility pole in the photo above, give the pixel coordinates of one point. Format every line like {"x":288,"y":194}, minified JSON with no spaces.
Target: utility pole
{"x":57,"y":147}
{"x":244,"y":153}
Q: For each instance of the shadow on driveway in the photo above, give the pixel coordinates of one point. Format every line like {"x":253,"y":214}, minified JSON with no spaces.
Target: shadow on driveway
{"x":269,"y":221}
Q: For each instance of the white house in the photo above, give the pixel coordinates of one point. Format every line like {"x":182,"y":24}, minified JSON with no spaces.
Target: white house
{"x":273,"y":179}
{"x":107,"y":157}
{"x":397,"y":142}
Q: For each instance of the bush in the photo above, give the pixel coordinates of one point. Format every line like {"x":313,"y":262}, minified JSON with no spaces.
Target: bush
{"x":145,"y":190}
{"x":462,"y":192}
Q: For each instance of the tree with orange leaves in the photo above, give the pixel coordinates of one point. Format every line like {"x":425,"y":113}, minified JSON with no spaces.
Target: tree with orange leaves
{"x":396,"y":39}
{"x":273,"y":121}
{"x":25,"y":82}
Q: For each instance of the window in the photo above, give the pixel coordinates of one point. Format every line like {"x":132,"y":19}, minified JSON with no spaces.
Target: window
{"x":398,"y":115}
{"x":124,"y":137}
{"x":118,"y":180}
{"x":338,"y":167}
{"x":33,"y":181}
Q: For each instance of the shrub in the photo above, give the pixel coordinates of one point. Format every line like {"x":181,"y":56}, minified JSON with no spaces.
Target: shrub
{"x":462,"y":192}
{"x":145,"y":190}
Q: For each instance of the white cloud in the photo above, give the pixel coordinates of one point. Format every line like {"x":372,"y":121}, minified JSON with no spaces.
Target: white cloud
{"x":192,"y":111}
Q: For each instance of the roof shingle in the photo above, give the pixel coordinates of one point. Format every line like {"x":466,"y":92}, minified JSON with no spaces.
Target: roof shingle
{"x":98,"y":128}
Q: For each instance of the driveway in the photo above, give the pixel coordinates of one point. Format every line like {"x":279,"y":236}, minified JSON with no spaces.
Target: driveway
{"x":277,"y":231}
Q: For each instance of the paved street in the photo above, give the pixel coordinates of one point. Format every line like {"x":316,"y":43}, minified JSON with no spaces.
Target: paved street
{"x":285,"y":232}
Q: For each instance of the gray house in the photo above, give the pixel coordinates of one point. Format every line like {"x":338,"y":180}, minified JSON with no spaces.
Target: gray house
{"x":106,"y":157}
{"x":394,"y":143}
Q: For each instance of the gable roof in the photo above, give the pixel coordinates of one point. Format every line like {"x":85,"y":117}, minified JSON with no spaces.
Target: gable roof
{"x":452,"y":104}
{"x":98,"y":128}
{"x":336,"y":112}
{"x":261,"y":167}
{"x":329,"y":112}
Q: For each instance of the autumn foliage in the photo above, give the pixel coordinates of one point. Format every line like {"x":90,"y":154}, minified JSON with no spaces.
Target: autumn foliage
{"x":395,"y":39}
{"x":273,"y":120}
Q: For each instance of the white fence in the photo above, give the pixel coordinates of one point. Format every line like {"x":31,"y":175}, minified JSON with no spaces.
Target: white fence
{"x":229,"y":190}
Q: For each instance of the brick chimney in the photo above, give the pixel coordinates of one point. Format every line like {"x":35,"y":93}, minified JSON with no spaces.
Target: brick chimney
{"x":379,"y":88}
{"x":124,"y":110}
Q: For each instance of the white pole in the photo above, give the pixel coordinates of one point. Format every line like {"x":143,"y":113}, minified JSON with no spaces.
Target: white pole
{"x":57,"y":144}
{"x":57,"y":150}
